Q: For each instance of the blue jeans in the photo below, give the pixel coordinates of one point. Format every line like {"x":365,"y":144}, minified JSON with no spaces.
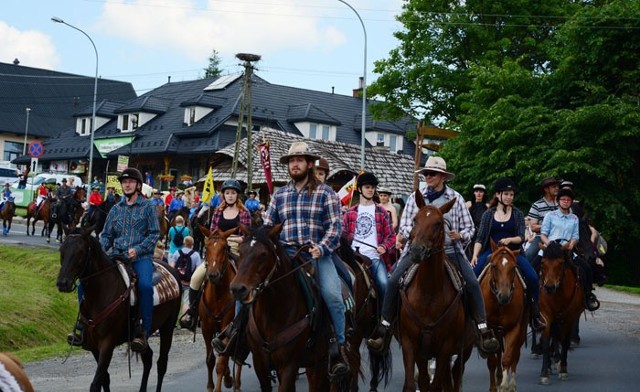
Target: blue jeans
{"x":379,"y":272}
{"x":144,"y":269}
{"x":527,"y":271}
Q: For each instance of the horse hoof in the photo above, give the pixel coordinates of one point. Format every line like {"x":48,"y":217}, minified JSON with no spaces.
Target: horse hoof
{"x":228,"y":381}
{"x":545,"y":381}
{"x":563,"y":376}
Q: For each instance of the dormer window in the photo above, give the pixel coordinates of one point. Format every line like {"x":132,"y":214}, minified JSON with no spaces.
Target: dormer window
{"x":322,"y":132}
{"x":192,"y":115}
{"x":129,"y":122}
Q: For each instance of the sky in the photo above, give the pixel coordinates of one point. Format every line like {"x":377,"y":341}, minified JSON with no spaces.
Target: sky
{"x":311,"y":44}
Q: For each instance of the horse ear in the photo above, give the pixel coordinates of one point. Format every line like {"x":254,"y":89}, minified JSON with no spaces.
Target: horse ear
{"x":447,"y":206}
{"x":227,"y":233}
{"x":245,"y":229}
{"x":66,"y":229}
{"x":566,"y":246}
{"x":274,"y":233}
{"x":419,"y":199}
{"x":541,"y":246}
{"x":86,"y":231}
{"x":204,"y":230}
{"x":494,"y":246}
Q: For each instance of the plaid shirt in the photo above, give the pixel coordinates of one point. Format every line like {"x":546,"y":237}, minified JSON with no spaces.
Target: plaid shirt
{"x":384,"y":227}
{"x":459,"y":215}
{"x":245,"y":218}
{"x":131,"y":226}
{"x":306,"y":218}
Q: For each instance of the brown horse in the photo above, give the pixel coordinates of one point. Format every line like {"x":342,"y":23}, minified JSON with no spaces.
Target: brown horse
{"x":163,"y":223}
{"x":507,"y":315}
{"x":79,"y":196}
{"x":66,"y":213}
{"x":35,"y":213}
{"x":561,"y":303}
{"x":280,"y":331}
{"x":105,"y":308}
{"x":216,"y":308}
{"x":432,"y":322}
{"x":12,"y":375}
{"x":7,"y":214}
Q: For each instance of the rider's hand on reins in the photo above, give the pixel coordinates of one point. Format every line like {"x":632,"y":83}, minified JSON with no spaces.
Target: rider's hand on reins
{"x":132,"y":254}
{"x":315,"y":251}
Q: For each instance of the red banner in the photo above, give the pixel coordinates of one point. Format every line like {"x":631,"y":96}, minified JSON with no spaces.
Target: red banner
{"x":265,"y":159}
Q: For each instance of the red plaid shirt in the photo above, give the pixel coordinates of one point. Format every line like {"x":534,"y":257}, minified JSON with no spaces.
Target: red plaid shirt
{"x":384,"y":229}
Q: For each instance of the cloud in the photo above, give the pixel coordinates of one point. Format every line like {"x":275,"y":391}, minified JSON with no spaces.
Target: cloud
{"x":32,"y":48}
{"x":230,"y":27}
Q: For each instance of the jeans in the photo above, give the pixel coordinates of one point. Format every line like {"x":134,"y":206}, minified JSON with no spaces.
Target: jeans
{"x":533,"y":248}
{"x":528,"y":273}
{"x":144,"y":269}
{"x":379,"y":272}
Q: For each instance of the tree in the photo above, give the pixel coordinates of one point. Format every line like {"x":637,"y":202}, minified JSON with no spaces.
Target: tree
{"x":213,"y":70}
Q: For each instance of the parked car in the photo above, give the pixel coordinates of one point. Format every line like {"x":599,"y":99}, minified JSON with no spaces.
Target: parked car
{"x":9,"y":175}
{"x":50,"y":178}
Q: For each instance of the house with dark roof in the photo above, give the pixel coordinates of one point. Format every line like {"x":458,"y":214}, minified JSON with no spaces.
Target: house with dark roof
{"x":55,"y":101}
{"x":173,"y":131}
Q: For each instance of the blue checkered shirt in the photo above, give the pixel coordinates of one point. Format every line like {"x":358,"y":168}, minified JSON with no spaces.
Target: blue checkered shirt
{"x":307,"y":217}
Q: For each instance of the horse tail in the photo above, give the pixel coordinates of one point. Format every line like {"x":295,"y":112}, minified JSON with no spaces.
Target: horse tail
{"x":380,"y":367}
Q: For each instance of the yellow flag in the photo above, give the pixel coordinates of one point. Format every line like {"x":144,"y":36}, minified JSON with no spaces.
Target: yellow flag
{"x":208,"y":190}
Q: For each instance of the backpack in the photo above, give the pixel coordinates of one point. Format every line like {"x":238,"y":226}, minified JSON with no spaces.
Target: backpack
{"x":178,"y":239}
{"x":183,"y":265}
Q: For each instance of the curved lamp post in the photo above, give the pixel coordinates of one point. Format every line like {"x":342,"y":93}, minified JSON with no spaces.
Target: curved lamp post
{"x":364,"y":86}
{"x":95,"y":94}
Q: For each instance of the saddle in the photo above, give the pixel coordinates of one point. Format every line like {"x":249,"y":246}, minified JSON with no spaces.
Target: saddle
{"x":452,"y":272}
{"x":165,"y":286}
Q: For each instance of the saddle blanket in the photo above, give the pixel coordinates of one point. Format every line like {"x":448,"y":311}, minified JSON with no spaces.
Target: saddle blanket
{"x":165,"y":286}
{"x":7,"y":382}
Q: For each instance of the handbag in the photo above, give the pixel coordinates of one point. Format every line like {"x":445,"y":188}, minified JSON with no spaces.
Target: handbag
{"x":601,"y":245}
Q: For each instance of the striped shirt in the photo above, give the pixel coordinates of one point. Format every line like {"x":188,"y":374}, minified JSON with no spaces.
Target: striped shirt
{"x":541,"y":208}
{"x":131,"y":226}
{"x":306,"y":217}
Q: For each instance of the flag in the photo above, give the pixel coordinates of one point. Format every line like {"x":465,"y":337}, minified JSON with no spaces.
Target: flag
{"x":265,"y":159}
{"x":208,"y":190}
{"x":346,"y":192}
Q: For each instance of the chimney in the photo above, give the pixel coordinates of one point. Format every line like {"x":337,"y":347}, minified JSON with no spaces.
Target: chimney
{"x":333,"y":89}
{"x":357,"y":92}
{"x":16,"y":61}
{"x":168,"y":79}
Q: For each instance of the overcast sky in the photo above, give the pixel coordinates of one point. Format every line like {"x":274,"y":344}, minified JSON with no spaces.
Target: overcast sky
{"x":312,"y":44}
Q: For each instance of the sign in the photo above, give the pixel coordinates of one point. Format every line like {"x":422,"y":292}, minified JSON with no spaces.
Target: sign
{"x":123,"y":162}
{"x":34,"y":165}
{"x":35,"y":149}
{"x":105,"y":146}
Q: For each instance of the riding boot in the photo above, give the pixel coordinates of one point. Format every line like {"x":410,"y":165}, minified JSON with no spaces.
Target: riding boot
{"x":591,"y":302}
{"x":230,"y":334}
{"x":381,"y":338}
{"x":76,"y":337}
{"x":139,"y":342}
{"x":537,"y":323}
{"x":487,"y":342}
{"x":338,"y":363}
{"x":189,"y":319}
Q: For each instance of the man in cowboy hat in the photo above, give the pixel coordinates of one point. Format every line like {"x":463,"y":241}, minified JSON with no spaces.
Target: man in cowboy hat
{"x":176,"y":205}
{"x":157,"y":198}
{"x":323,"y":227}
{"x":549,"y":187}
{"x":459,"y":231}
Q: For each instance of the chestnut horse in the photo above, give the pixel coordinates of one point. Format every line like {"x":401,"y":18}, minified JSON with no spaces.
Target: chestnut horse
{"x":280,"y":331}
{"x":35,"y":213}
{"x":561,"y":303}
{"x":507,"y":315}
{"x":432,"y":321}
{"x":163,"y":223}
{"x":12,"y":375}
{"x":106,"y":306}
{"x":7,"y":214}
{"x":217,"y":306}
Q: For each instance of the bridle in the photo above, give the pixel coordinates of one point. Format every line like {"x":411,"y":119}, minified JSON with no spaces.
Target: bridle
{"x":225,"y":262}
{"x":83,"y":276}
{"x":492,"y":282}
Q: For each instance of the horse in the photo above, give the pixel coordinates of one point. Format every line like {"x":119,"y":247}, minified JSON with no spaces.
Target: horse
{"x":197,"y":234}
{"x":66,"y":212}
{"x":432,"y":321}
{"x":98,"y":218}
{"x":283,"y":338}
{"x":7,"y":214}
{"x":561,"y":303}
{"x":216,"y":307}
{"x":163,"y":223}
{"x":105,"y":308}
{"x":42,"y":213}
{"x":79,"y":197}
{"x":507,"y":314}
{"x":12,"y":375}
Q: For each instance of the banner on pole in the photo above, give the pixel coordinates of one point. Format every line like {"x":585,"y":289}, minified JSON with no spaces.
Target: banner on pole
{"x":208,"y":190}
{"x":265,"y":159}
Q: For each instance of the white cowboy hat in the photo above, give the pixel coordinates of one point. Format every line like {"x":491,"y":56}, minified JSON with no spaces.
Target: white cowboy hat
{"x":436,"y":164}
{"x":298,"y":149}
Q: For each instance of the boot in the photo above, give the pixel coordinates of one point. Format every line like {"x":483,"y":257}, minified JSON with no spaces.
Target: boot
{"x":380,"y":339}
{"x":537,"y":323}
{"x":76,"y":337}
{"x":139,"y":343}
{"x":487,"y":342}
{"x":189,"y":319}
{"x":230,"y":335}
{"x":592,"y":303}
{"x":338,"y":363}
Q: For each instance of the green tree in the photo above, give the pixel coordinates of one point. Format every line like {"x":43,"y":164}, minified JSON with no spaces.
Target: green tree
{"x":213,"y":70}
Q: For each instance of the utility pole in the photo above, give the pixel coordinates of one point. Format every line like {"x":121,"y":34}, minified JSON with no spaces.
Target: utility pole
{"x":245,"y":105}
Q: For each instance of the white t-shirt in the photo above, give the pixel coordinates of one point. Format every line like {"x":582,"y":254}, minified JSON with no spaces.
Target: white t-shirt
{"x":366,"y":232}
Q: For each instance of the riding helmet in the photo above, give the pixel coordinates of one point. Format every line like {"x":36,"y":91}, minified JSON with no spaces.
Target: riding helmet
{"x":504,"y":184}
{"x":367,"y":178}
{"x":231,"y":184}
{"x":384,"y":190}
{"x":480,"y":187}
{"x":566,"y":184}
{"x":131,"y":172}
{"x":565,"y":192}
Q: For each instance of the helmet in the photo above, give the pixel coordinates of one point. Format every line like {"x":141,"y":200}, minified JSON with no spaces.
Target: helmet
{"x":367,"y":178}
{"x":231,"y":184}
{"x":504,"y":184}
{"x":385,"y":190}
{"x":64,"y":180}
{"x":565,"y":192}
{"x":479,"y":187}
{"x":566,"y":184}
{"x":131,"y":172}
{"x":322,"y":164}
{"x":252,"y":193}
{"x":95,"y":187}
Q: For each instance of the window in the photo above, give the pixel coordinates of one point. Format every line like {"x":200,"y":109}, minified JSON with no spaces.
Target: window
{"x":125,"y":122}
{"x":12,"y":150}
{"x":192,"y":115}
{"x":325,"y":132}
{"x":393,"y":143}
{"x":83,"y":126}
{"x":134,"y":121}
{"x":380,"y":139}
{"x":312,"y":131}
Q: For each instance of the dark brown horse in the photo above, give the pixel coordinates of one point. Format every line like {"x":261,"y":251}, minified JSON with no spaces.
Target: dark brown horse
{"x":7,"y":214}
{"x":280,"y":329}
{"x":216,"y":308}
{"x":507,"y":315}
{"x":66,"y":213}
{"x":432,"y":322}
{"x":105,"y":308}
{"x":35,"y":213}
{"x":16,"y":379}
{"x":561,"y":303}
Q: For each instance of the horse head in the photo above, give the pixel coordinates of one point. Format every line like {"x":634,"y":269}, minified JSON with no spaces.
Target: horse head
{"x":216,"y":253}
{"x":75,"y":253}
{"x":259,"y":259}
{"x":502,"y":265}
{"x":553,"y":266}
{"x":81,"y":194}
{"x":427,"y":235}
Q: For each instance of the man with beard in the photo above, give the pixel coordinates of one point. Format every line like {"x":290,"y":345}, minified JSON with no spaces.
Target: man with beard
{"x":310,"y":212}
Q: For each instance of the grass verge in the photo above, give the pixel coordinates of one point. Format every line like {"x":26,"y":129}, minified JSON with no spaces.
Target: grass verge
{"x":625,"y":289}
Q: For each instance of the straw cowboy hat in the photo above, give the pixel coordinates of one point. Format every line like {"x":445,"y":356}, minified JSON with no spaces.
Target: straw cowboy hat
{"x":436,"y":164}
{"x":299,"y":149}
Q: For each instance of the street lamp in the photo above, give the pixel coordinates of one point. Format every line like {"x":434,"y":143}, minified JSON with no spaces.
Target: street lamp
{"x":95,"y":94}
{"x":26,"y":131}
{"x":364,"y":86}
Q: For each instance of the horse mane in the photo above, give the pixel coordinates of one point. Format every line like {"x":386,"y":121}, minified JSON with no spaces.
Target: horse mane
{"x":94,"y":243}
{"x":553,"y":251}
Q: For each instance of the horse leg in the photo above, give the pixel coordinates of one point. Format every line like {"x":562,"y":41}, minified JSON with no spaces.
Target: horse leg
{"x":563,"y":374}
{"x":166,"y":339}
{"x":147,"y":362}
{"x":423,"y":374}
{"x":101,"y":379}
{"x":237,"y":378}
{"x":492,"y":365}
{"x":288,"y":376}
{"x":546,"y":357}
{"x":261,"y":368}
{"x":408,"y":357}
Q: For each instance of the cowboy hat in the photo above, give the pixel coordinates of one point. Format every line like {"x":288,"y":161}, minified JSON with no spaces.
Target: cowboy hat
{"x":299,"y":149}
{"x":548,"y":181}
{"x":436,"y":164}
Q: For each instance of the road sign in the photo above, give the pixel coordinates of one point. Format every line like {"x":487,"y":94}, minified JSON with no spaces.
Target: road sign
{"x":34,"y":165}
{"x":35,"y":149}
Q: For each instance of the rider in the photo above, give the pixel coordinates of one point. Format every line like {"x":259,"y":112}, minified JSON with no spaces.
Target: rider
{"x":459,"y":230}
{"x":131,"y":230}
{"x":43,"y":193}
{"x":310,"y":212}
{"x":176,"y":205}
{"x":549,"y":187}
{"x":252,"y":203}
{"x":561,"y":225}
{"x":368,"y":226}
{"x":157,"y":198}
{"x":505,"y":225}
{"x":95,"y":200}
{"x":6,"y":195}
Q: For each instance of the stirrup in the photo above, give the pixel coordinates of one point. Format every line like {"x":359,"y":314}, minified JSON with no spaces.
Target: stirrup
{"x":231,"y":334}
{"x":592,"y":302}
{"x":139,"y":344}
{"x":188,"y":321}
{"x":380,"y":340}
{"x":488,"y":344}
{"x":75,"y":338}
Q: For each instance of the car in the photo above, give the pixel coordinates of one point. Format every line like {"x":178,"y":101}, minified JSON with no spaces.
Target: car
{"x":50,"y":178}
{"x":9,"y":175}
